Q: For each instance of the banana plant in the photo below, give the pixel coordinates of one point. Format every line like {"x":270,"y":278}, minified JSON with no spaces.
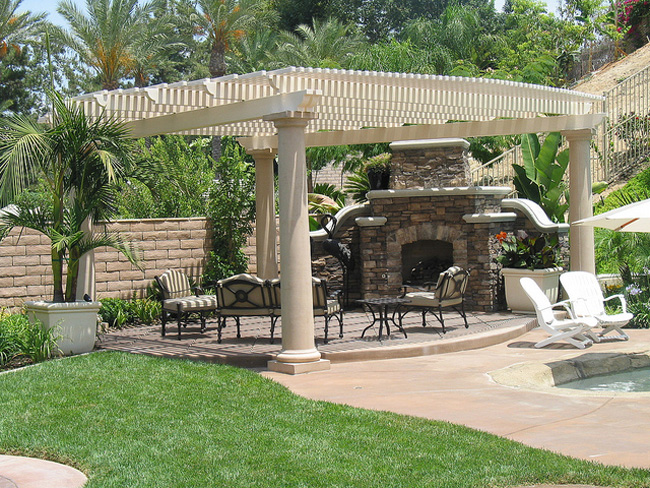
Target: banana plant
{"x":540,"y":178}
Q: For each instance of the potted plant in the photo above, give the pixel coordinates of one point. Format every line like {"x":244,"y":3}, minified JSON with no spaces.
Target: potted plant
{"x":77,"y":159}
{"x":536,"y":257}
{"x":378,"y":170}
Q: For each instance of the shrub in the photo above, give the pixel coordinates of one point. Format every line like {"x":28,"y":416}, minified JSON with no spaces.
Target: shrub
{"x":118,"y":312}
{"x":634,"y":129}
{"x":22,"y":342}
{"x":231,"y":209}
{"x":145,"y":310}
{"x":531,"y":252}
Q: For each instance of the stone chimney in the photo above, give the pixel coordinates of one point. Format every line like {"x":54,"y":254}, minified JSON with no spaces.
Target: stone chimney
{"x":433,"y":163}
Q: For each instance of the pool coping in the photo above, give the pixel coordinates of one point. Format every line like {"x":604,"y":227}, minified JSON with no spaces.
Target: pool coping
{"x":542,"y":376}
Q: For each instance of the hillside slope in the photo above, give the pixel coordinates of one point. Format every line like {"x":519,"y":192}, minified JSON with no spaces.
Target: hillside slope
{"x":611,"y":74}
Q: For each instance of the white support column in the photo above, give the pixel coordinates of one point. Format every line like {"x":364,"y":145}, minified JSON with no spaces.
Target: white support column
{"x":265,"y":228}
{"x":581,"y":238}
{"x":299,"y":353}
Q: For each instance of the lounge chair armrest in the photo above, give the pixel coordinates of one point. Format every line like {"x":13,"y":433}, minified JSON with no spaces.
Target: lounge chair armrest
{"x":622,"y":300}
{"x":565,"y":304}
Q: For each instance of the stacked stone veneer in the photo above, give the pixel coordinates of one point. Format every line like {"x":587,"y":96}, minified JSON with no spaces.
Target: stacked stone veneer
{"x":439,"y":163}
{"x":25,"y":262}
{"x":434,"y":215}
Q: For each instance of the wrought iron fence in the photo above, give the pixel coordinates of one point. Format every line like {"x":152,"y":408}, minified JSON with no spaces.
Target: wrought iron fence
{"x":623,"y":140}
{"x":620,"y":147}
{"x":498,"y":171}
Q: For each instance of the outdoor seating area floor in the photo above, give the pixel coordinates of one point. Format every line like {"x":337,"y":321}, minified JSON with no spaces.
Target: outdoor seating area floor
{"x":254,"y":350}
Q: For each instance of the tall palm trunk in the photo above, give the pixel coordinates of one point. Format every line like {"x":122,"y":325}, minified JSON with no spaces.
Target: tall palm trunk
{"x":57,"y":269}
{"x":217,"y":68}
{"x":73,"y":275}
{"x":57,"y":256}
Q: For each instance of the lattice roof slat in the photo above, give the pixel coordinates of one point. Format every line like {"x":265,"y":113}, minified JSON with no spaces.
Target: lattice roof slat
{"x":343,"y":101}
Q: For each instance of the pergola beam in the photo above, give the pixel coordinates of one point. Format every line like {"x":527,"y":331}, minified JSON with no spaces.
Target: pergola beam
{"x":435,"y":131}
{"x":298,"y":101}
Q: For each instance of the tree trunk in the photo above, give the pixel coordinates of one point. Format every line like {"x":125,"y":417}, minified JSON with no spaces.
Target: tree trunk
{"x":217,"y":68}
{"x":57,"y":272}
{"x":72,"y":277}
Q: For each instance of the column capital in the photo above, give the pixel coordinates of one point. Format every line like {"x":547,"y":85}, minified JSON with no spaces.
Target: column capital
{"x":261,"y":154}
{"x":578,"y":134}
{"x":291,"y":119}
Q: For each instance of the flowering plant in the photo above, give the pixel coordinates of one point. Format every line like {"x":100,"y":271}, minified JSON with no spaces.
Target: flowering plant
{"x":523,"y":251}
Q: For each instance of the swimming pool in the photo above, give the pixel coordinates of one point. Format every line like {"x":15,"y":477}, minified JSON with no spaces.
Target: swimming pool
{"x":635,"y":380}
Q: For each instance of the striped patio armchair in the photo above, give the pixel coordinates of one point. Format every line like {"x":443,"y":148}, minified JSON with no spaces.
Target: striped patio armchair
{"x":181,"y":300}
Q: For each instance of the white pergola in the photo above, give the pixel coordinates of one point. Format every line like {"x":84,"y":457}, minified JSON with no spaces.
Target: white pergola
{"x":283,"y":111}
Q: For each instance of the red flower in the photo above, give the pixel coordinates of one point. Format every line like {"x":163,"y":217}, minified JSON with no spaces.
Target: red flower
{"x":501,"y":236}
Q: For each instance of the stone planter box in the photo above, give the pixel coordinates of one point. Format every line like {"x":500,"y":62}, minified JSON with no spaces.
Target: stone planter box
{"x":76,"y":322}
{"x":547,"y":279}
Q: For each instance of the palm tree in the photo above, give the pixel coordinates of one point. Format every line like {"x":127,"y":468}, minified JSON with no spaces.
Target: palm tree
{"x":225,"y":21}
{"x":328,"y":44}
{"x":151,"y":50}
{"x":254,"y":52}
{"x":115,"y":38}
{"x":78,"y":159}
{"x":17,"y":28}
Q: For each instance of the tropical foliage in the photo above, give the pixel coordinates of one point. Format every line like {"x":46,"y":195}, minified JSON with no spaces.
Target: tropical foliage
{"x":541,"y":178}
{"x":23,"y":342}
{"x":18,"y":28}
{"x":78,"y":159}
{"x":520,"y":250}
{"x":231,"y":209}
{"x":170,"y":177}
{"x":117,"y":38}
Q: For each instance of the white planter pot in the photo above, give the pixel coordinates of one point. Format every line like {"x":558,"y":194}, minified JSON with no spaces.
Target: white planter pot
{"x":547,"y":279}
{"x":76,"y":323}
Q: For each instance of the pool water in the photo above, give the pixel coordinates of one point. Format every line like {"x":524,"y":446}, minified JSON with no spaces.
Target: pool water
{"x":629,"y":381}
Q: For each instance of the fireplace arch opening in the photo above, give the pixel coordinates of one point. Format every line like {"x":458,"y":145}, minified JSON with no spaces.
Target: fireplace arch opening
{"x":424,"y":260}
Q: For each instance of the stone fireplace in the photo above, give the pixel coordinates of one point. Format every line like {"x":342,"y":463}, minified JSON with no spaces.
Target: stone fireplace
{"x":431,"y":218}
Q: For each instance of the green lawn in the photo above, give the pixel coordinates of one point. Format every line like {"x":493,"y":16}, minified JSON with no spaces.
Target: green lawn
{"x":133,"y":421}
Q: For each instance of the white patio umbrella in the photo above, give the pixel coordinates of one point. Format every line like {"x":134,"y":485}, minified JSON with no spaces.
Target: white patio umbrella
{"x":634,"y":217}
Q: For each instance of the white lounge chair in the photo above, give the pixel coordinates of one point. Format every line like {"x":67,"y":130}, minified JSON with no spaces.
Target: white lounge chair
{"x":587,"y":300}
{"x":571,"y":330}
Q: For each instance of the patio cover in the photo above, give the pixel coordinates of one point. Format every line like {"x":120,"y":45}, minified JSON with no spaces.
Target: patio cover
{"x":286,"y":110}
{"x":345,"y":101}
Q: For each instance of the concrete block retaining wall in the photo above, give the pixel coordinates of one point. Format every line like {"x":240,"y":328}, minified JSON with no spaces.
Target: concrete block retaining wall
{"x":25,"y":262}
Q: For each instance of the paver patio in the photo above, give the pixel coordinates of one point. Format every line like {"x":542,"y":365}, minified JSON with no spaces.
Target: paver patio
{"x":253,"y":349}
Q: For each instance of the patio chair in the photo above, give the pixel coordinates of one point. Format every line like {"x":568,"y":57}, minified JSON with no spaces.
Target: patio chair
{"x":571,"y":329}
{"x":243,"y":295}
{"x":587,"y":299}
{"x":180,"y":299}
{"x":449,"y":291}
{"x":326,"y":305}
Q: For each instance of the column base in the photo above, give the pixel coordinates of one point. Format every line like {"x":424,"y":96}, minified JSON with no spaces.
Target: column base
{"x":299,"y":368}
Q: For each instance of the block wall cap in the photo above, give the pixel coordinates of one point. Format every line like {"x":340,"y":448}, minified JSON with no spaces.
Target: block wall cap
{"x":535,"y":214}
{"x":342,"y":216}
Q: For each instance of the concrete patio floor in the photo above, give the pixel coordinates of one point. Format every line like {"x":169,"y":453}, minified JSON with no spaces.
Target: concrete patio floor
{"x":610,"y":428}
